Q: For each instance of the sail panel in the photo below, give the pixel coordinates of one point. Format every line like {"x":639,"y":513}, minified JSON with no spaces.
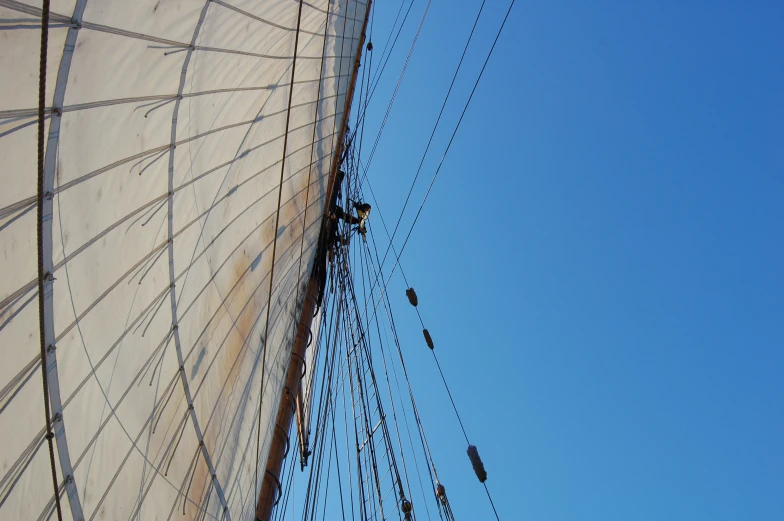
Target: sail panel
{"x":167,"y":173}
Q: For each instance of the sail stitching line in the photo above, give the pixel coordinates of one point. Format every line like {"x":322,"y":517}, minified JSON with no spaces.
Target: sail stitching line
{"x":262,"y":20}
{"x":157,"y":469}
{"x":181,"y":46}
{"x":225,"y":443}
{"x":14,"y":207}
{"x":31,"y":285}
{"x":245,"y":153}
{"x":31,"y":113}
{"x":172,"y":292}
{"x":149,"y":255}
{"x":162,"y":148}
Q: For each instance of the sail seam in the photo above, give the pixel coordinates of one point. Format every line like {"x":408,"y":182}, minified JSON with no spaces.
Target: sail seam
{"x":180,"y":46}
{"x":29,"y":113}
{"x":29,"y":369}
{"x":172,"y":292}
{"x":273,"y":24}
{"x":141,"y":155}
{"x":24,"y":290}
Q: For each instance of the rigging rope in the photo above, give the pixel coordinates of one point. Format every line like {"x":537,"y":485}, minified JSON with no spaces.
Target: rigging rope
{"x":40,"y":219}
{"x":419,"y":211}
{"x":473,"y":454}
{"x":275,"y":241}
{"x":428,"y":457}
{"x":438,"y":169}
{"x":366,"y":253}
{"x":397,"y":87}
{"x":457,"y":126}
{"x":377,"y":76}
{"x":352,"y":329}
{"x":366,"y":90}
{"x":312,"y":150}
{"x":435,"y":127}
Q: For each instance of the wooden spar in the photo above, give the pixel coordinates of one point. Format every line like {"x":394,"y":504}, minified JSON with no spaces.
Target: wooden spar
{"x":270,"y":485}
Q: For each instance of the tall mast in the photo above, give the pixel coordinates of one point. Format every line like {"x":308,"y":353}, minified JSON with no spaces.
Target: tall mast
{"x":270,"y":485}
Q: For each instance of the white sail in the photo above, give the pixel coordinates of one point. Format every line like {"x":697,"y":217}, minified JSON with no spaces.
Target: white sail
{"x":164,"y":147}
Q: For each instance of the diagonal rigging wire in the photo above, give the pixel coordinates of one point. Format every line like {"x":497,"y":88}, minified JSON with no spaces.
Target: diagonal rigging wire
{"x":443,"y":157}
{"x":420,"y":429}
{"x":419,"y":211}
{"x":443,"y":378}
{"x":435,"y":127}
{"x":389,"y":37}
{"x":440,"y":164}
{"x":376,"y":77}
{"x":397,"y":88}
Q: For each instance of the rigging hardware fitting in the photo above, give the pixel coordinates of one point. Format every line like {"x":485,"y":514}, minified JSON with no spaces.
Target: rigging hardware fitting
{"x":428,"y":338}
{"x":406,"y":507}
{"x":441,"y":493}
{"x":412,"y":297}
{"x":476,"y":462}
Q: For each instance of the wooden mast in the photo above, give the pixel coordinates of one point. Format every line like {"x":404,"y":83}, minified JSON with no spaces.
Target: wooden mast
{"x":270,"y":485}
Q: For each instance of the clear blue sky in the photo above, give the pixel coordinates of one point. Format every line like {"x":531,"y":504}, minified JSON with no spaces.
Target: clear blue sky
{"x":601,"y":261}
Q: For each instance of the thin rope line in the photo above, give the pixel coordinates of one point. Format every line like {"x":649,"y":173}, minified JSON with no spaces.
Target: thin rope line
{"x":440,"y":164}
{"x":41,"y":274}
{"x":275,"y":244}
{"x":491,"y":502}
{"x":397,"y":88}
{"x":433,"y":133}
{"x":451,"y":139}
{"x":312,"y":150}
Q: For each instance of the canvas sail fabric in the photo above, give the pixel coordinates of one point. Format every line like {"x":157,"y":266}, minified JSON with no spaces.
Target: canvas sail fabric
{"x":164,"y":137}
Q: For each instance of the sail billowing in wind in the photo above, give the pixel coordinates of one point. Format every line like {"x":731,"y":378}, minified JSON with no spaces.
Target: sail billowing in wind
{"x":166,"y":144}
